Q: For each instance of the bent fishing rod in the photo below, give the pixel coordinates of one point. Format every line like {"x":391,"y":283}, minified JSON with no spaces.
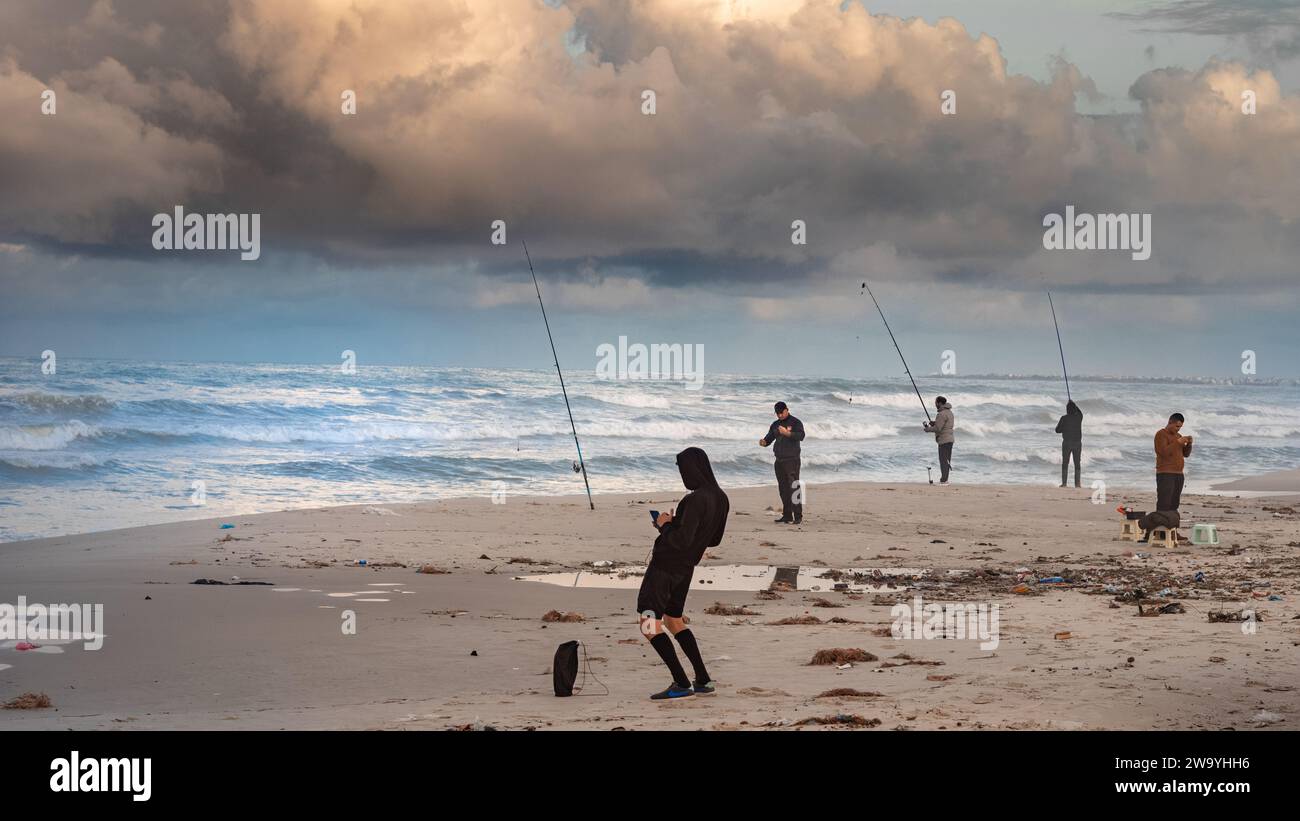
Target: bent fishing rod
{"x":1064,"y":372}
{"x":926,"y":410}
{"x":581,"y":464}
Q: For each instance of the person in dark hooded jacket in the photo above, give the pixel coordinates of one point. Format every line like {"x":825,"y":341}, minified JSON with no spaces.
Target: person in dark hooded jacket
{"x":1071,"y":429}
{"x":696,"y":525}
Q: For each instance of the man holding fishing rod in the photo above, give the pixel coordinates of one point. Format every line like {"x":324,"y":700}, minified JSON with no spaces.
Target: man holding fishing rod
{"x":942,"y":428}
{"x":1070,"y":427}
{"x":942,"y":425}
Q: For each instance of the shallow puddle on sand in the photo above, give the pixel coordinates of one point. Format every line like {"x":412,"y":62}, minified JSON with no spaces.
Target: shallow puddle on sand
{"x":372,"y":600}
{"x":754,"y":577}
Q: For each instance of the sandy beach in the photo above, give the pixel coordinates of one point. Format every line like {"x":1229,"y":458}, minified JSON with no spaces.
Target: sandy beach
{"x":470,"y":646}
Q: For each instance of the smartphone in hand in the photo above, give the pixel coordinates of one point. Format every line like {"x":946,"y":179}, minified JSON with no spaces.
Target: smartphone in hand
{"x":654,"y":518}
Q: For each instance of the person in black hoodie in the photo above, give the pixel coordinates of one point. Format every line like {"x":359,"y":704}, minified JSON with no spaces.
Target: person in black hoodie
{"x":1071,"y":429}
{"x":697,"y":524}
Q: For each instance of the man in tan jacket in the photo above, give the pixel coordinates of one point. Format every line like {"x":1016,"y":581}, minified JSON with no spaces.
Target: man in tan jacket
{"x":1171,"y":449}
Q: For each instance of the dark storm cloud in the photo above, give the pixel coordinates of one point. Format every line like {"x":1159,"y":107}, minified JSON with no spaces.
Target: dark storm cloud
{"x":1270,"y":27}
{"x":469,"y":112}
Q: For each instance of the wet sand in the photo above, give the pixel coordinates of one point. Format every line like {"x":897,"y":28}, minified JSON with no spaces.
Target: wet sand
{"x":1281,"y":481}
{"x":470,"y":646}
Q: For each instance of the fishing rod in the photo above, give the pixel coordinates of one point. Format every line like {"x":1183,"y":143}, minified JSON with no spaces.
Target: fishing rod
{"x":900,"y":353}
{"x":1059,"y":345}
{"x":582,"y":465}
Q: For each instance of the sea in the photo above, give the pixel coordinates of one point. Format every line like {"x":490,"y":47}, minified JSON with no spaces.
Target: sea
{"x":104,"y":444}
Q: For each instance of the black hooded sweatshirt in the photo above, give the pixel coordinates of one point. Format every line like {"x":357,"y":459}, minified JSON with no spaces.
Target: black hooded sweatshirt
{"x":701,"y":516}
{"x":1071,"y":425}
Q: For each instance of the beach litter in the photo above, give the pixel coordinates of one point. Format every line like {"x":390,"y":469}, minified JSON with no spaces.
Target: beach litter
{"x":1266,"y":717}
{"x":720,"y":609}
{"x":908,"y":661}
{"x":1062,"y":636}
{"x":841,"y":655}
{"x":1217,"y":616}
{"x":1162,"y":610}
{"x":477,"y":727}
{"x":841,"y":719}
{"x":558,"y":616}
{"x":25,"y":645}
{"x":847,"y":692}
{"x":820,"y":602}
{"x":227,"y":526}
{"x":218,"y":581}
{"x":797,"y":620}
{"x":432,"y":570}
{"x":29,"y":701}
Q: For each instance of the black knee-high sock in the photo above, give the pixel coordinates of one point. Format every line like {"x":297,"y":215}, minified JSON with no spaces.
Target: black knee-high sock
{"x":664,"y":646}
{"x":692,"y":650}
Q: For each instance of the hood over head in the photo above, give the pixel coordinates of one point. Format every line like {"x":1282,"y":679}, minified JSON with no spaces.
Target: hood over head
{"x":693,"y":464}
{"x":697,"y":474}
{"x":1072,"y":408}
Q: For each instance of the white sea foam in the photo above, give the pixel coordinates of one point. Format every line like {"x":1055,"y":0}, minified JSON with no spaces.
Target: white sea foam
{"x":44,"y":437}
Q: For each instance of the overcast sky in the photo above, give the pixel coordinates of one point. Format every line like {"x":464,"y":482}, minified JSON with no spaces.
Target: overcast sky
{"x":672,"y":227}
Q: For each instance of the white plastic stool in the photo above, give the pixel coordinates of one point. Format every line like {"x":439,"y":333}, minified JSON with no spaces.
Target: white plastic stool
{"x":1205,"y":534}
{"x":1129,"y":530}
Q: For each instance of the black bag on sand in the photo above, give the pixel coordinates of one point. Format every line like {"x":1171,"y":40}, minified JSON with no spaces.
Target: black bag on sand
{"x":565,"y":668}
{"x":1161,"y":518}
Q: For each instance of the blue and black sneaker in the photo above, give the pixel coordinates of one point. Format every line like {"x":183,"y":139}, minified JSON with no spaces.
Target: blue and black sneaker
{"x":674,"y":691}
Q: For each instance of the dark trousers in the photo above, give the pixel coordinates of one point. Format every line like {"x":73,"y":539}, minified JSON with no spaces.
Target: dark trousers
{"x":945,"y":460}
{"x":1069,"y":449}
{"x":1169,"y":490}
{"x":787,"y":473}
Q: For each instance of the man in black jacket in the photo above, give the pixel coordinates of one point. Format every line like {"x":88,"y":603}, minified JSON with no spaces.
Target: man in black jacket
{"x":784,"y":435}
{"x":1071,"y":429}
{"x":696,"y":525}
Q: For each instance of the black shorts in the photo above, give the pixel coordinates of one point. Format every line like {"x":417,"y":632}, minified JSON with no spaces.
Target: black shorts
{"x":663,"y":591}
